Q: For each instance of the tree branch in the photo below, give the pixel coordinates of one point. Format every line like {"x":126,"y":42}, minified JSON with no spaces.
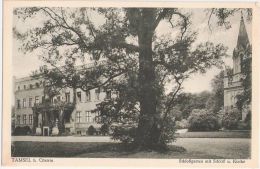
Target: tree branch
{"x":161,"y":16}
{"x":104,"y":83}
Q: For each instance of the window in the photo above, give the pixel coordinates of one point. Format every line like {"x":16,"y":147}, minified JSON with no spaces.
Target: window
{"x":67,"y":96}
{"x":79,"y":96}
{"x":37,"y":85}
{"x":18,"y":104}
{"x":108,"y":94}
{"x":31,"y":86}
{"x":97,"y":117}
{"x":30,"y":119}
{"x":97,"y":92}
{"x":18,"y":119}
{"x":24,"y":87}
{"x":88,"y":116}
{"x":24,"y":103}
{"x":78,"y":117}
{"x":18,"y":87}
{"x":24,"y":119}
{"x":30,"y":102}
{"x":37,"y":101}
{"x":88,"y":96}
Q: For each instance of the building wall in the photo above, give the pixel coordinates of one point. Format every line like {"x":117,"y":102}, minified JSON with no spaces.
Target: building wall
{"x":82,"y":117}
{"x":26,"y":91}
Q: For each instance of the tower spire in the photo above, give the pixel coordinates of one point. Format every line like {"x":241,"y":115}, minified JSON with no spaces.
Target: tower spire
{"x":242,"y":40}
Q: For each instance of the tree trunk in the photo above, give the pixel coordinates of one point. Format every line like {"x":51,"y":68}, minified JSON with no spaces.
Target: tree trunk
{"x":147,"y":132}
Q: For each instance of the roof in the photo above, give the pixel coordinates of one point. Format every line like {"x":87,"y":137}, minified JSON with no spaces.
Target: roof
{"x":242,"y":40}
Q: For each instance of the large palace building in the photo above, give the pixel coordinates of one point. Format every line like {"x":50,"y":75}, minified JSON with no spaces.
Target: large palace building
{"x":29,"y":95}
{"x":233,"y":80}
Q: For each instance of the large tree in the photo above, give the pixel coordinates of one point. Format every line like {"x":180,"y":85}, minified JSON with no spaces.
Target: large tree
{"x":136,"y":58}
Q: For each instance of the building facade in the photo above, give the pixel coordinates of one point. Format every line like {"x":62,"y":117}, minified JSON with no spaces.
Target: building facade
{"x":29,"y":92}
{"x":233,"y":80}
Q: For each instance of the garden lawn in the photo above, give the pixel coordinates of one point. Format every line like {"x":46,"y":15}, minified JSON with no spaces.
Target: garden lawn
{"x":216,"y":134}
{"x":195,"y":148}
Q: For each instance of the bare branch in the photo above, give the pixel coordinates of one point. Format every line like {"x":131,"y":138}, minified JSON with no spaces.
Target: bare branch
{"x":212,"y":10}
{"x":161,"y":16}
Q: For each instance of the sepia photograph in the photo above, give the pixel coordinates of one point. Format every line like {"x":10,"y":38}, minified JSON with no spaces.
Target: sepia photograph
{"x":131,"y":83}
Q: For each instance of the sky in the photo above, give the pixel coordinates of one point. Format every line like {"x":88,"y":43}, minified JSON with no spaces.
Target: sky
{"x":24,"y":64}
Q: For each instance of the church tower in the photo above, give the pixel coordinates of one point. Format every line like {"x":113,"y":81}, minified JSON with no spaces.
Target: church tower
{"x":242,"y":45}
{"x":233,"y":80}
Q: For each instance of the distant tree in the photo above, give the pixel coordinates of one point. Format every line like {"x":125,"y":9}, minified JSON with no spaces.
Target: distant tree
{"x":186,"y":102}
{"x":203,"y":120}
{"x":216,"y":100}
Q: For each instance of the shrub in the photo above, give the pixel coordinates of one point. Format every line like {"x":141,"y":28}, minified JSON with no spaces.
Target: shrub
{"x":91,"y":130}
{"x":202,"y":120}
{"x":125,"y":134}
{"x":183,"y":124}
{"x":230,"y":119}
{"x":21,"y":131}
{"x":248,"y":119}
{"x":168,"y":131}
{"x":104,"y":129}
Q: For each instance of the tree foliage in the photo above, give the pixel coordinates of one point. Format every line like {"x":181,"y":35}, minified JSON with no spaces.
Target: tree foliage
{"x":244,"y":98}
{"x":186,"y":102}
{"x":216,"y":100}
{"x":203,"y":120}
{"x":231,"y":118}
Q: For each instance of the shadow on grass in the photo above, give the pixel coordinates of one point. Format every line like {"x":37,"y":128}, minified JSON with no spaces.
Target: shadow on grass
{"x":89,"y":150}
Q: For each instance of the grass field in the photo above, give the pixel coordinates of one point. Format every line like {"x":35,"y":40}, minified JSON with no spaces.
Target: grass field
{"x":216,"y":134}
{"x":183,"y":148}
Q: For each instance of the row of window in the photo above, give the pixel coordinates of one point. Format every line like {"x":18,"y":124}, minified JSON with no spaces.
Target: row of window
{"x":88,"y":96}
{"x":30,"y":86}
{"x":24,"y":120}
{"x":30,"y":102}
{"x":86,"y":117}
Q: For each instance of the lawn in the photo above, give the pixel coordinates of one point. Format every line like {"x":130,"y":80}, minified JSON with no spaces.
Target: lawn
{"x":216,"y":134}
{"x":183,"y":148}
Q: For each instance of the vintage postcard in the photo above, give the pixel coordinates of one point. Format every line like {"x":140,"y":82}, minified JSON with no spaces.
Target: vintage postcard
{"x":140,"y":84}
